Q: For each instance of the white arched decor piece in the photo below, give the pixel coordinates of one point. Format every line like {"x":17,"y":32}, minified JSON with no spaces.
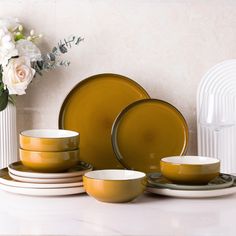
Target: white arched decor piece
{"x":216,"y":115}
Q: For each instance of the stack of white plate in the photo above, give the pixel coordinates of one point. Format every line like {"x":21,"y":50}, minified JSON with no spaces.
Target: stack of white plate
{"x":222,"y":185}
{"x":216,"y":100}
{"x":19,"y":179}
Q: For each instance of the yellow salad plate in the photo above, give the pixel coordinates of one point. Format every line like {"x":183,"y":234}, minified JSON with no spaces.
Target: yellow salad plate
{"x":20,"y":170}
{"x":91,"y":108}
{"x":147,"y":131}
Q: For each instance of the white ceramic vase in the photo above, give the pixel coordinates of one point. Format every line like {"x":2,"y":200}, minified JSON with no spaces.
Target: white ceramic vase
{"x":8,"y":136}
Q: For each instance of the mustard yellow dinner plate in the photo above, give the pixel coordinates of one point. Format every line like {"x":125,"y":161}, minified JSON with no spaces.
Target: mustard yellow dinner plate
{"x":18,"y":169}
{"x":91,"y":108}
{"x":147,"y":131}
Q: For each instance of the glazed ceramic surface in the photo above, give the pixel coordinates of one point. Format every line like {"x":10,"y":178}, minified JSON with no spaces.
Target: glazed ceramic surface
{"x":114,"y":185}
{"x":49,"y":161}
{"x":45,"y":180}
{"x":43,"y":192}
{"x":190,"y":169}
{"x":17,"y":168}
{"x":49,"y":140}
{"x":6,"y":179}
{"x":147,"y":131}
{"x":222,"y":181}
{"x":192,"y":193}
{"x":91,"y":107}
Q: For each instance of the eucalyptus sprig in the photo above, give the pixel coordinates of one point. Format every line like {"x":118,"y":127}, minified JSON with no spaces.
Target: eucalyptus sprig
{"x":52,"y":59}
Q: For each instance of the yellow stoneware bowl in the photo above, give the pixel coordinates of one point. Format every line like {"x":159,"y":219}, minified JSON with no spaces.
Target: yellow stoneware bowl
{"x":49,"y":161}
{"x":114,"y":185}
{"x":49,"y":140}
{"x":192,"y":170}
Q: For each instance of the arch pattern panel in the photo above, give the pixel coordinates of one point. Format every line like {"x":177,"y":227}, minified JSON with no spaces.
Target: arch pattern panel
{"x":216,"y":109}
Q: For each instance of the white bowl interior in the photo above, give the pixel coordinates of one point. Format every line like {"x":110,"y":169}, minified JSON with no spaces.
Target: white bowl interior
{"x":115,"y":174}
{"x":191,"y":160}
{"x":49,"y":133}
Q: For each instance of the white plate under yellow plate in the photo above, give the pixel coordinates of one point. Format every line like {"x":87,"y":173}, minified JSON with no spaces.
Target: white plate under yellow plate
{"x":192,"y":193}
{"x":42,"y":192}
{"x":17,"y":168}
{"x":46,"y":181}
{"x":6,"y":179}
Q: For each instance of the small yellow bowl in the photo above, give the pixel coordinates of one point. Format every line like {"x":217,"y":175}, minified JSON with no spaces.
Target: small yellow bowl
{"x":49,"y":161}
{"x":114,"y":186}
{"x":49,"y":140}
{"x":192,"y":170}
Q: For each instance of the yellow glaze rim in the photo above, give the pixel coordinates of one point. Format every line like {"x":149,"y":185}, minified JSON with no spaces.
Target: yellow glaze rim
{"x":49,"y":144}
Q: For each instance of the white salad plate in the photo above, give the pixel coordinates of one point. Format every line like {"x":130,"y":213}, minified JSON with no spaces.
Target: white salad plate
{"x":6,"y":179}
{"x":192,"y":193}
{"x":46,"y":181}
{"x":42,"y":192}
{"x":18,"y":169}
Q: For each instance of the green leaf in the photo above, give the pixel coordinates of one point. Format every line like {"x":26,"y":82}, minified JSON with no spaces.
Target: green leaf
{"x":0,"y":73}
{"x":1,"y":88}
{"x":12,"y":100}
{"x":4,"y":99}
{"x":19,"y":36}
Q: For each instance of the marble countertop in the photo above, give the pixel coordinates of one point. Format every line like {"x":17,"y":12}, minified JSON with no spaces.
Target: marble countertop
{"x":148,"y":215}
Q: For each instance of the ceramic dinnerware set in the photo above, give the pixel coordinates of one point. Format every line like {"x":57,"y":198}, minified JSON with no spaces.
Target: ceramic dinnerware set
{"x":191,"y":177}
{"x":134,"y":143}
{"x":49,"y":165}
{"x":49,"y":150}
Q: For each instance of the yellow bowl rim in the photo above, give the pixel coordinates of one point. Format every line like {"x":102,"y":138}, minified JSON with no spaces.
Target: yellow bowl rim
{"x":76,"y":134}
{"x":215,"y":161}
{"x":115,"y":180}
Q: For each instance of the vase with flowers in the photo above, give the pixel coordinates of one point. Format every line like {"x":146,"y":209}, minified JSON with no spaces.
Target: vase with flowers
{"x":20,"y":61}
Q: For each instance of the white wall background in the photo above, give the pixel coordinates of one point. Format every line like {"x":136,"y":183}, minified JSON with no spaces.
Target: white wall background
{"x":165,"y":45}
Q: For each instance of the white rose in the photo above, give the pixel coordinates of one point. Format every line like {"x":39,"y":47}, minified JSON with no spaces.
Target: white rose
{"x":10,"y":23}
{"x":28,"y":49}
{"x":7,"y":46}
{"x":17,"y":75}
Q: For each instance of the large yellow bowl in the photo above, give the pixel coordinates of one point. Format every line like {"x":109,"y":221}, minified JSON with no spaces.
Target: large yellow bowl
{"x":192,"y":170}
{"x":49,"y":161}
{"x":114,"y":185}
{"x":49,"y":140}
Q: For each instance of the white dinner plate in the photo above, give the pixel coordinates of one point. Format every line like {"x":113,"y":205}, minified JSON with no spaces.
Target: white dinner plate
{"x":42,"y":192}
{"x":46,"y":181}
{"x":6,"y":179}
{"x":19,"y":169}
{"x":192,"y":193}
